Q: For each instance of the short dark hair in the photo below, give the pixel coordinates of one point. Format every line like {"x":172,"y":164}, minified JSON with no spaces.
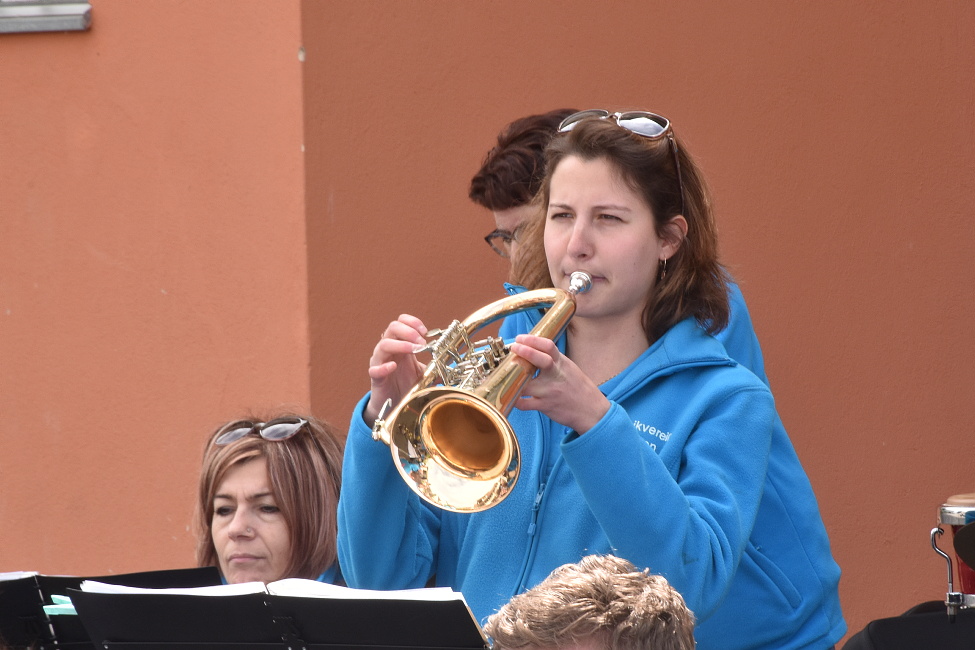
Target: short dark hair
{"x":512,"y":171}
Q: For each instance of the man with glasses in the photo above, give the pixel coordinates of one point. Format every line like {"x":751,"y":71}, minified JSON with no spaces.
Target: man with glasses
{"x":511,"y":175}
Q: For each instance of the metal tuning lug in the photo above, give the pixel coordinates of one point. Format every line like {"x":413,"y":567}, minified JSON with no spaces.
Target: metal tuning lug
{"x":380,"y":422}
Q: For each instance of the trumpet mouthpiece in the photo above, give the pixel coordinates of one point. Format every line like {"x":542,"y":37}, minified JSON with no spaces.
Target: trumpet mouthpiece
{"x":580,"y":282}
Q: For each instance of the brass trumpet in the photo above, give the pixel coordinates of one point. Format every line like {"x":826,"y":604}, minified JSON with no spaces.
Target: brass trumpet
{"x":449,"y":436}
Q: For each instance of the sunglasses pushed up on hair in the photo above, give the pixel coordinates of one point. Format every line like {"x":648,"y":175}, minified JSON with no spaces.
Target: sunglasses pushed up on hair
{"x":274,"y":430}
{"x":643,"y":123}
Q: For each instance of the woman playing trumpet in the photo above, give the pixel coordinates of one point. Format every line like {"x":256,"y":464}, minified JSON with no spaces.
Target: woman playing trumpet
{"x":639,"y":436}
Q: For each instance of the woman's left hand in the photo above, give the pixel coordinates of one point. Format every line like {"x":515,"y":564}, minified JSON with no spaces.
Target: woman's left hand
{"x":560,"y":390}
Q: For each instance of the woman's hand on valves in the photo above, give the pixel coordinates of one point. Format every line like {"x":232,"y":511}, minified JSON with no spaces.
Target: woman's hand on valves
{"x":560,"y":389}
{"x":393,"y":367}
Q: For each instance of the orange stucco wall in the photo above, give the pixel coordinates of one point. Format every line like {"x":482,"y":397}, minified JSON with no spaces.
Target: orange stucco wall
{"x":196,"y":222}
{"x":153,"y":274}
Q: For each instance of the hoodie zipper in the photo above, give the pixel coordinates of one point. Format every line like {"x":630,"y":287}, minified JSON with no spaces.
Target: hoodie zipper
{"x":538,"y":501}
{"x":540,"y":460}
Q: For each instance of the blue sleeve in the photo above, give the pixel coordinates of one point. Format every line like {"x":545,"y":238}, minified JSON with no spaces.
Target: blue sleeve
{"x":387,"y":537}
{"x":739,"y":338}
{"x":687,"y":512}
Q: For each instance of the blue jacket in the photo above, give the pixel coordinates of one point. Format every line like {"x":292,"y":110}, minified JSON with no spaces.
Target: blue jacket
{"x":689,"y":474}
{"x":332,"y":575}
{"x":738,"y":337}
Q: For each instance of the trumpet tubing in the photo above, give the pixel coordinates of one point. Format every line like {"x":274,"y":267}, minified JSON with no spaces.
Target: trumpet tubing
{"x":449,"y":436}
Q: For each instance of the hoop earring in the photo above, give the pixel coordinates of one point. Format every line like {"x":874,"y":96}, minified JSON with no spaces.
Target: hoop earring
{"x":663,"y":269}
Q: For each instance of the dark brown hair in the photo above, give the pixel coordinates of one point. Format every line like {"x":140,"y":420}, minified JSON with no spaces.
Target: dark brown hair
{"x":602,"y":600}
{"x":512,"y":171}
{"x":304,"y":472}
{"x":695,"y":283}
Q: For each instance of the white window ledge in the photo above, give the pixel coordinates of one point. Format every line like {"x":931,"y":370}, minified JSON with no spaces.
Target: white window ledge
{"x":44,"y":16}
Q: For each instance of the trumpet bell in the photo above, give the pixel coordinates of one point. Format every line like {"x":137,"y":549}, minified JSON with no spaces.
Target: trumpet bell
{"x":455,"y":450}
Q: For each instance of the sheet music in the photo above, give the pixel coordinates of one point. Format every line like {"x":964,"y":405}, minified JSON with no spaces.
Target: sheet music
{"x":313,"y":589}
{"x":295,"y":587}
{"x":17,"y":575}
{"x":94,"y":586}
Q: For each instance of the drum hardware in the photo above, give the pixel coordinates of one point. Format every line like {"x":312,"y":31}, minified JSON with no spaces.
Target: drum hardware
{"x":954,"y":600}
{"x":958,"y":512}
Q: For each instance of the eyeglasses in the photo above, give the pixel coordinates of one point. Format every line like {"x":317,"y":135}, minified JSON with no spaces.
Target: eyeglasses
{"x":276,"y":430}
{"x":649,"y":125}
{"x":500,"y":241}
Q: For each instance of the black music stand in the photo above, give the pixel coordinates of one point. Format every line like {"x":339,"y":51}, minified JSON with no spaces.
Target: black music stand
{"x":262,"y":621}
{"x":922,"y":627}
{"x":25,"y":624}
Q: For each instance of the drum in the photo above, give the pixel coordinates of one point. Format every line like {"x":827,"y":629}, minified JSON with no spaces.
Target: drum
{"x":957,"y":512}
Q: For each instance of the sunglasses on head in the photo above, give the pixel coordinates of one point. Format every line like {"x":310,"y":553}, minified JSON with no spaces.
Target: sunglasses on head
{"x":643,"y":123}
{"x":274,"y":430}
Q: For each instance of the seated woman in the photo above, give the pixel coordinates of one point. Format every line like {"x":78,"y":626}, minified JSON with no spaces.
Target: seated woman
{"x":267,"y":499}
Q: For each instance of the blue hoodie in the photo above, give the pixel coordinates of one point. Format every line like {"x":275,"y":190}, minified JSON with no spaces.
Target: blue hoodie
{"x":689,"y":474}
{"x":738,"y":337}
